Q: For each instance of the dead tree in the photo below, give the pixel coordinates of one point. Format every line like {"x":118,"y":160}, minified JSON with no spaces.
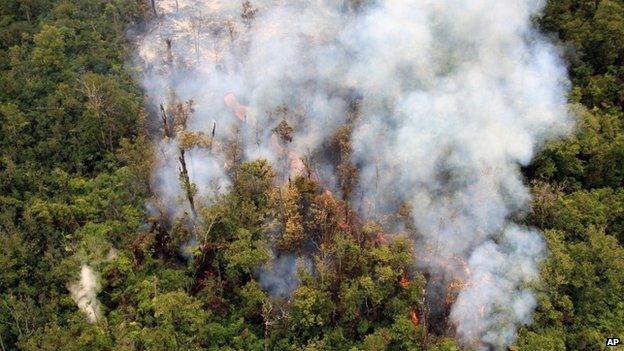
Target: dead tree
{"x":174,"y":127}
{"x":248,"y":13}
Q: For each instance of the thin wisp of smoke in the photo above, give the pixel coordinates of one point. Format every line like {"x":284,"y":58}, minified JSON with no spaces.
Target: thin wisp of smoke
{"x":84,"y":293}
{"x":454,"y":97}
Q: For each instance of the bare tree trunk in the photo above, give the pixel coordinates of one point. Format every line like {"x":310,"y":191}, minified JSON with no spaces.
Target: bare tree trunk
{"x":187,"y":182}
{"x":165,"y":121}
{"x":266,"y":315}
{"x":111,"y":127}
{"x":212,"y":136}
{"x":425,"y":322}
{"x":266,"y":336}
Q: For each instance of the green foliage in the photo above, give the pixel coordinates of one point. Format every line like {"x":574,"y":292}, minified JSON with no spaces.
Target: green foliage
{"x":178,"y":322}
{"x":595,"y":32}
{"x":243,"y":255}
{"x":75,"y":168}
{"x":578,"y":192}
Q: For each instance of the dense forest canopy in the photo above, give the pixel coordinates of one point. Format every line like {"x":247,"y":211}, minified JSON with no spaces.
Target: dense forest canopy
{"x":93,"y":256}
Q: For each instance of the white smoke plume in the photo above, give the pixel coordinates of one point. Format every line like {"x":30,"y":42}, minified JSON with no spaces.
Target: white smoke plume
{"x":456,"y":95}
{"x":279,"y":276}
{"x":84,"y":293}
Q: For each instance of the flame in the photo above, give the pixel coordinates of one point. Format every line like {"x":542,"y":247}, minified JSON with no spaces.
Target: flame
{"x":404,"y":281}
{"x":414,"y":317}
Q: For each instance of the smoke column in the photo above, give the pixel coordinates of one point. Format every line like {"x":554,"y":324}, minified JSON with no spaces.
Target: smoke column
{"x":456,"y":95}
{"x":84,"y":293}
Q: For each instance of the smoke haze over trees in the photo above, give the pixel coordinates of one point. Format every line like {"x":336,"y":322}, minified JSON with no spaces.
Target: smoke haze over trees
{"x":318,"y":175}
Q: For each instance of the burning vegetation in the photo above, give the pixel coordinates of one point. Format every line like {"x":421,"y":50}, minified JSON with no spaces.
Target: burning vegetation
{"x":310,"y":175}
{"x":399,"y":152}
